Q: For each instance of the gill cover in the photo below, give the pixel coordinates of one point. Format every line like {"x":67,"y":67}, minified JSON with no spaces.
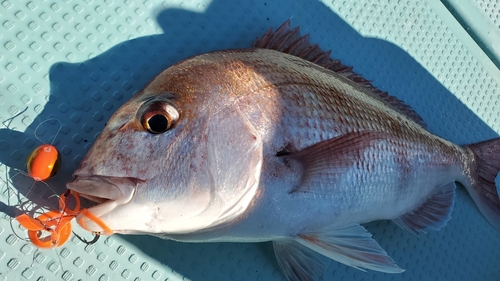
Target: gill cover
{"x":233,"y":160}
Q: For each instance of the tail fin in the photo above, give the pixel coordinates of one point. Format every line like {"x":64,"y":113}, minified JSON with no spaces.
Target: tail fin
{"x":486,"y":168}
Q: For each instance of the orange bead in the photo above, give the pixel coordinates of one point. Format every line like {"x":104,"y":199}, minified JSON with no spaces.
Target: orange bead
{"x":43,"y":162}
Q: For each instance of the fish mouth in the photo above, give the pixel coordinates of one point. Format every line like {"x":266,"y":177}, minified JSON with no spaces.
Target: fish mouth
{"x":100,"y":189}
{"x":108,"y":192}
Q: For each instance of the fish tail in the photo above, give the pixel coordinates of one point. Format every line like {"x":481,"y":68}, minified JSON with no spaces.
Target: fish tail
{"x":486,"y":167}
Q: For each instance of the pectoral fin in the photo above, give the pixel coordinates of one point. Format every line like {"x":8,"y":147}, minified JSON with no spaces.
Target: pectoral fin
{"x":298,"y":262}
{"x":352,"y":246}
{"x":325,"y":161}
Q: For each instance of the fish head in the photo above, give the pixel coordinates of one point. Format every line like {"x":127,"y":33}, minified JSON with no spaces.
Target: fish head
{"x":181,"y":156}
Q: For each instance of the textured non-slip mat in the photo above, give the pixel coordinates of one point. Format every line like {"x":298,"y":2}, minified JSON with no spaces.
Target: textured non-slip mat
{"x":78,"y":61}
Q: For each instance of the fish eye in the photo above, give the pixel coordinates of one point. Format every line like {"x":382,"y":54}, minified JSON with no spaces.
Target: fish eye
{"x":159,"y":117}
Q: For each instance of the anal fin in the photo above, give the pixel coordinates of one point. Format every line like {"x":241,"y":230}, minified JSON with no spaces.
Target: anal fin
{"x":352,"y":246}
{"x":432,"y":214}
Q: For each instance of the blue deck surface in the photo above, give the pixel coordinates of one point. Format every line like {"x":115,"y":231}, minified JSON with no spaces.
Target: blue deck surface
{"x":78,"y":61}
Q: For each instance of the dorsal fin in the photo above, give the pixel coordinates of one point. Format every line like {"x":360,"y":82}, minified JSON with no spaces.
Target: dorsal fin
{"x":290,"y":41}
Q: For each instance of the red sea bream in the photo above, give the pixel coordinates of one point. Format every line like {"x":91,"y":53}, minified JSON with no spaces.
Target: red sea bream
{"x":278,"y":143}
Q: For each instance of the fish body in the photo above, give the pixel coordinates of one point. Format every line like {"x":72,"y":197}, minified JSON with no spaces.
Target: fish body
{"x":278,"y":143}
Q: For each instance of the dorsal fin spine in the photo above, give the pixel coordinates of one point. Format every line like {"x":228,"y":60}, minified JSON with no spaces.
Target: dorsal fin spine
{"x":290,"y":41}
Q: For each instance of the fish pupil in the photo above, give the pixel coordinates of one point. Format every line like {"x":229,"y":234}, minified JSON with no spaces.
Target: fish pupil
{"x":158,"y":123}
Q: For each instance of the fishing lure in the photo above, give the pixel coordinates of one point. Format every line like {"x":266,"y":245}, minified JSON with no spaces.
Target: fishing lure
{"x":53,"y":228}
{"x":48,"y":230}
{"x":43,"y":162}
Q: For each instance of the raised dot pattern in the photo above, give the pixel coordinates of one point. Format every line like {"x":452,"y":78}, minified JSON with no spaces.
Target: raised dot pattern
{"x":491,"y":9}
{"x":66,"y":31}
{"x":36,"y":35}
{"x":419,"y":30}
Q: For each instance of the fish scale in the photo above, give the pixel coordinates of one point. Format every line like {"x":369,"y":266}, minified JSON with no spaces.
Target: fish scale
{"x":268,"y":146}
{"x":301,"y":102}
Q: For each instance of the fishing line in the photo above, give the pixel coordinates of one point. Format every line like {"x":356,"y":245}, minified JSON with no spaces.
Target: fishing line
{"x":43,"y":160}
{"x":55,"y":136}
{"x":8,"y":121}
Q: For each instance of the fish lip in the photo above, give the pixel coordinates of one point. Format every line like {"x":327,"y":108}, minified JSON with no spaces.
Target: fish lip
{"x":108,"y":191}
{"x":99,"y":188}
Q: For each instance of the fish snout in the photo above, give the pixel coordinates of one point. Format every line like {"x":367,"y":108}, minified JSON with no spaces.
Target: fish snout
{"x":102,"y":188}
